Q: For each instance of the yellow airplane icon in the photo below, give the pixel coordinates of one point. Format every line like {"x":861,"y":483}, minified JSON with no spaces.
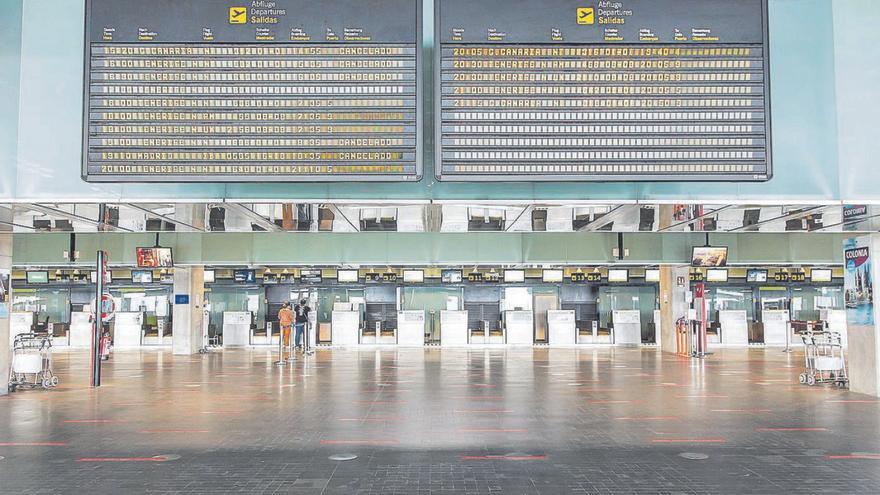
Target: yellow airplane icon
{"x":586,"y":15}
{"x":237,"y":15}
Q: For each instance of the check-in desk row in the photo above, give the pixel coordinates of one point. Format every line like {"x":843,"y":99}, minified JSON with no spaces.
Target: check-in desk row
{"x":734,"y":329}
{"x":128,"y":331}
{"x":518,"y":328}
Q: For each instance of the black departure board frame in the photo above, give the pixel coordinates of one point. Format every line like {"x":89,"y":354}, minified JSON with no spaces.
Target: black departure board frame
{"x":484,"y":141}
{"x":368,"y":128}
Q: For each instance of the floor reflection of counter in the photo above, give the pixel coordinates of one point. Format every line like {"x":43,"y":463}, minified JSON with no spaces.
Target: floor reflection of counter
{"x":81,"y":330}
{"x":345,"y":327}
{"x":128,"y":330}
{"x":411,"y":328}
{"x":453,"y":327}
{"x":562,"y":328}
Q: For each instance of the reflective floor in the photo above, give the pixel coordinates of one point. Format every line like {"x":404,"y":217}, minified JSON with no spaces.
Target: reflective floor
{"x":522,"y":421}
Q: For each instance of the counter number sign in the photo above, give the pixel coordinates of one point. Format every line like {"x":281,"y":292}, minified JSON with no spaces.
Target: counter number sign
{"x":237,"y":15}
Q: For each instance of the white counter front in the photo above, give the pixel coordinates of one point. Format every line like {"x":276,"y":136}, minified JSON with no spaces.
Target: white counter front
{"x":627,"y":327}
{"x":775,"y":326}
{"x":453,"y":327}
{"x":81,"y":330}
{"x":734,"y":327}
{"x":345,"y":327}
{"x":128,"y":330}
{"x":562,"y":329}
{"x":411,"y":328}
{"x":20,"y":322}
{"x":520,"y":327}
{"x":236,"y":328}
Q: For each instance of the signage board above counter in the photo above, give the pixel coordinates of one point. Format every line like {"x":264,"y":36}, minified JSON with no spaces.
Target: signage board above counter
{"x":626,"y":90}
{"x":257,"y":91}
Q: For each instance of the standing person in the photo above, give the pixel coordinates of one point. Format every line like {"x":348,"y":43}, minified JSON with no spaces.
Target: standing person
{"x":285,"y":320}
{"x":302,"y":311}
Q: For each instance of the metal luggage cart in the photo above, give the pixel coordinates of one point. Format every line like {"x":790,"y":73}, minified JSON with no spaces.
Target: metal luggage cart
{"x":32,"y":363}
{"x":211,"y":340}
{"x":824,"y":360}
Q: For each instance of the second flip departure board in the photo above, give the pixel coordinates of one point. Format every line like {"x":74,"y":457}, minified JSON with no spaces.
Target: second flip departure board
{"x":262,"y":90}
{"x":623,"y":90}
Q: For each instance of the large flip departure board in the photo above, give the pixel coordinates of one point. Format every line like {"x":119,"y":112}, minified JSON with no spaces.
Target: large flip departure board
{"x":252,"y":91}
{"x":614,"y":90}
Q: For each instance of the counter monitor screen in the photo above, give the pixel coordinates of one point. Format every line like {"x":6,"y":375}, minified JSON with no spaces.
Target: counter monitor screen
{"x":310,"y":276}
{"x":223,"y":91}
{"x":552,"y":276}
{"x":820,"y":275}
{"x":154,"y":257}
{"x":709,"y":256}
{"x":450,"y":276}
{"x":641,"y":90}
{"x":756,"y":275}
{"x":618,"y":275}
{"x":209,"y":276}
{"x":37,"y":277}
{"x":515,"y":276}
{"x":716,"y":275}
{"x":141,"y":277}
{"x":347,"y":276}
{"x":413,"y":276}
{"x":652,"y":275}
{"x":244,"y":276}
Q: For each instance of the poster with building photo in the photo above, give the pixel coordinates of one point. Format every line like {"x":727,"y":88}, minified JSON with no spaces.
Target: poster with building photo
{"x":858,"y":281}
{"x":5,"y":295}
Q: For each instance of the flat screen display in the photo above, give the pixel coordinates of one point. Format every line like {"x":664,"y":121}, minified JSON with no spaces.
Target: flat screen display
{"x":413,"y":276}
{"x":154,"y":257}
{"x":756,"y":275}
{"x":37,"y":277}
{"x":716,"y":275}
{"x":709,"y":256}
{"x":616,"y":275}
{"x":252,"y":91}
{"x":652,"y":275}
{"x":552,"y":276}
{"x":514,"y":276}
{"x":450,"y":276}
{"x":142,"y":276}
{"x":244,"y":276}
{"x":209,"y":276}
{"x":310,"y":276}
{"x":820,"y":275}
{"x":632,"y":90}
{"x":347,"y":276}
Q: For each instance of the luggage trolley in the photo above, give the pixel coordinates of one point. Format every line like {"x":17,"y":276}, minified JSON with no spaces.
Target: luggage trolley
{"x":823,"y":359}
{"x":32,"y":362}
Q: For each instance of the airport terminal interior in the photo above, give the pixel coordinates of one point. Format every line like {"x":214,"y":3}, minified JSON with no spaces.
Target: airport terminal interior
{"x":439,"y":247}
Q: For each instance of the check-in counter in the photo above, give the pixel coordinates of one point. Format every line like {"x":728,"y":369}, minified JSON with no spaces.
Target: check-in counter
{"x":775,"y":326}
{"x":345,"y":327}
{"x":520,"y":327}
{"x":81,"y":330}
{"x":411,"y":328}
{"x":836,"y":319}
{"x":378,"y":334}
{"x":734,"y":327}
{"x":453,"y":327}
{"x":128,"y":330}
{"x":562,"y":328}
{"x":19,"y":323}
{"x":627,"y":327}
{"x":236,"y":328}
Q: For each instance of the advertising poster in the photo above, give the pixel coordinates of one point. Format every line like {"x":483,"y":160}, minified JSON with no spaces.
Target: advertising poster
{"x":5,"y":295}
{"x":858,"y":281}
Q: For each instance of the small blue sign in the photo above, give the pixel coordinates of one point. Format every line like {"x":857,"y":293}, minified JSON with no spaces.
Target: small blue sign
{"x":181,"y":298}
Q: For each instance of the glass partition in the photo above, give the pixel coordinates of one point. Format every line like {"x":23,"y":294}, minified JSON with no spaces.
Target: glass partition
{"x":432,"y":300}
{"x":238,"y":298}
{"x":629,"y":298}
{"x":51,"y":308}
{"x":808,"y":302}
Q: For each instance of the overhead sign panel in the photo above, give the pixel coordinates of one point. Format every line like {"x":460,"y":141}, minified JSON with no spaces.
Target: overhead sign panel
{"x":626,"y":90}
{"x":257,"y":91}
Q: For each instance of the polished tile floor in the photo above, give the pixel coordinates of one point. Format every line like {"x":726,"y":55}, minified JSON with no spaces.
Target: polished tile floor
{"x":518,"y":421}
